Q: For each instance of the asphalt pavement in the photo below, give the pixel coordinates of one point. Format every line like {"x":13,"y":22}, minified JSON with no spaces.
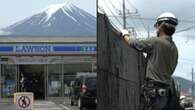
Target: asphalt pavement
{"x":38,"y":105}
{"x":66,"y":104}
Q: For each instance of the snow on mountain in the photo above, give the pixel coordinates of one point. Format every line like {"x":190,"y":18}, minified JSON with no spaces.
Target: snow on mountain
{"x":57,"y":20}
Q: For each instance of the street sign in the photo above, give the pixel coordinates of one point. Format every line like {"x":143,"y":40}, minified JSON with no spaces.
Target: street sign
{"x":23,"y":101}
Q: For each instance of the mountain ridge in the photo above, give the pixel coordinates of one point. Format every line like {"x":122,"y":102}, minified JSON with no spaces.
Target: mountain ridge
{"x":56,"y":20}
{"x":183,"y":84}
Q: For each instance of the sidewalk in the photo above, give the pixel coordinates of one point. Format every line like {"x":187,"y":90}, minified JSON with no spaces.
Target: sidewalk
{"x":46,"y":105}
{"x":7,"y":100}
{"x":7,"y":104}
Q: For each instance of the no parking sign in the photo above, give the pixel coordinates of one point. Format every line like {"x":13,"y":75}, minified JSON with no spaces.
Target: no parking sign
{"x":24,"y":101}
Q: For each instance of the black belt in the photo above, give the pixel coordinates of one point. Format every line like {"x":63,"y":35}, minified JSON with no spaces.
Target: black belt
{"x":155,"y":88}
{"x":153,"y":83}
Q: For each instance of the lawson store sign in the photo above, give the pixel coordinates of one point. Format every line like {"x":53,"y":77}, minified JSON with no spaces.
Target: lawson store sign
{"x":46,"y":49}
{"x":33,"y":49}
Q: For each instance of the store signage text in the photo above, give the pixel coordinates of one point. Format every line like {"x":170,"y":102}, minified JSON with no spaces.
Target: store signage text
{"x":33,"y":49}
{"x":47,"y":49}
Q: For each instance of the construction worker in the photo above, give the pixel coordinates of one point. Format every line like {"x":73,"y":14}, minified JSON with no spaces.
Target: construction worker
{"x":162,"y":58}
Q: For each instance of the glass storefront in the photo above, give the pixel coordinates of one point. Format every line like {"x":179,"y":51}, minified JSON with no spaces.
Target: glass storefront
{"x":55,"y":78}
{"x":8,"y":80}
{"x":48,"y":67}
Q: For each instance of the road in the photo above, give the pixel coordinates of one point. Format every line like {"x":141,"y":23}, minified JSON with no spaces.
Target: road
{"x":44,"y":105}
{"x":67,"y":106}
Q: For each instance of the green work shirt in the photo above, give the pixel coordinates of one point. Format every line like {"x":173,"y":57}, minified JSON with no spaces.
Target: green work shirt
{"x":162,"y":56}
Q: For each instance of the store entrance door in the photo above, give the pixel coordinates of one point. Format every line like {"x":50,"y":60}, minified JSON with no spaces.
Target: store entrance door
{"x":32,"y":80}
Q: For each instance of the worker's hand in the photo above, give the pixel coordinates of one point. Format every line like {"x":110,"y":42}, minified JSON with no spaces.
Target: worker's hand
{"x":125,"y":32}
{"x":125,"y":35}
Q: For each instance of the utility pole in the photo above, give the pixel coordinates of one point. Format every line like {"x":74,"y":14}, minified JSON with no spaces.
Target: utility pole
{"x":192,"y":81}
{"x":148,"y":31}
{"x":124,"y":15}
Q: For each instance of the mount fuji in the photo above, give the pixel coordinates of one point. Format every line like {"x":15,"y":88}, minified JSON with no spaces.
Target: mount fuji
{"x":56,"y":20}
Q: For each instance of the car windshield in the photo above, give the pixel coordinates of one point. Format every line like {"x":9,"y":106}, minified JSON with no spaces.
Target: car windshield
{"x":91,"y":82}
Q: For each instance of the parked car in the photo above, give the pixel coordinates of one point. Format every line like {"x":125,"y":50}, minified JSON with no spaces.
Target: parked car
{"x":186,"y":102}
{"x":83,"y":93}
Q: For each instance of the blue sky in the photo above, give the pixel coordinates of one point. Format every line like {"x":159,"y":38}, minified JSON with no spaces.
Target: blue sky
{"x":12,"y":11}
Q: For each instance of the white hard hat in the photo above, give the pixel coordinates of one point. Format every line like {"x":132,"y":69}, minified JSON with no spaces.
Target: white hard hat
{"x":182,"y":97}
{"x":168,"y":18}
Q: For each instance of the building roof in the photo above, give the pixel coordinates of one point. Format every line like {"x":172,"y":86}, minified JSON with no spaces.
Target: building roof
{"x":44,"y":39}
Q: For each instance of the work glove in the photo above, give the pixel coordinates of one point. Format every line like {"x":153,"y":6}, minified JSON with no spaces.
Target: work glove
{"x":124,"y":32}
{"x":125,"y":35}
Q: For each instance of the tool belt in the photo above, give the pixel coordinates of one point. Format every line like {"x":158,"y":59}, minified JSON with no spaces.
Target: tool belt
{"x":153,"y":89}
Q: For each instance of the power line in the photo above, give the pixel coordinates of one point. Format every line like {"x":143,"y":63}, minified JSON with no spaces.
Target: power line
{"x":144,"y":26}
{"x":112,"y":13}
{"x":130,"y":27}
{"x":102,"y":10}
{"x":133,"y":28}
{"x":190,"y":17}
{"x":186,"y":29}
{"x":186,"y":62}
{"x":153,"y":19}
{"x":185,"y":35}
{"x":134,"y":25}
{"x":131,"y":4}
{"x":119,"y":2}
{"x":122,"y":15}
{"x":114,"y":6}
{"x":187,"y":59}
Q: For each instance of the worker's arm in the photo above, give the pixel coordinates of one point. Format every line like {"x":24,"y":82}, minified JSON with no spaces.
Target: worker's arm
{"x":140,"y":45}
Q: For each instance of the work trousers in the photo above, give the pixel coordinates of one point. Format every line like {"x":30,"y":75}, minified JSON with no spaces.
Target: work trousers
{"x":159,"y":103}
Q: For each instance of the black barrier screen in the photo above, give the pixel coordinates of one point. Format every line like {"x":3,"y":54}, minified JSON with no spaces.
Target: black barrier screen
{"x":120,"y":70}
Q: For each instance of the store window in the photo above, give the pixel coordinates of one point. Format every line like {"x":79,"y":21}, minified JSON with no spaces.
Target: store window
{"x":54,"y":80}
{"x":8,"y":80}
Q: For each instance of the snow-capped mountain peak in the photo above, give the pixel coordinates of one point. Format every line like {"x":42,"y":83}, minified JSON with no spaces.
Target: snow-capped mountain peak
{"x":63,"y":19}
{"x":52,"y":9}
